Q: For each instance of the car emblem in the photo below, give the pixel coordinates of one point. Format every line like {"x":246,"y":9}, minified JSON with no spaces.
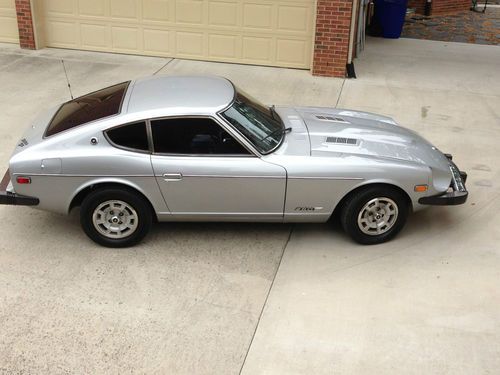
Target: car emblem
{"x":308,"y":208}
{"x":23,"y":142}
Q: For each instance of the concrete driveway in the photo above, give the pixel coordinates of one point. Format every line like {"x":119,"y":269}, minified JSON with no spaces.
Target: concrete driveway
{"x":266,"y":299}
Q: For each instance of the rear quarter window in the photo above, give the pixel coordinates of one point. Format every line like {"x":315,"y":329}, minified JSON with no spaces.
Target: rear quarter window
{"x":87,"y":108}
{"x":131,"y":136}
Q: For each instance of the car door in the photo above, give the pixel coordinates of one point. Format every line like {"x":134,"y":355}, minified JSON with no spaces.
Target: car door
{"x":205,"y":173}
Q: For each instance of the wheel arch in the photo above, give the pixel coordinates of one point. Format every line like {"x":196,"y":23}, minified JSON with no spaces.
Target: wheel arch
{"x":341,"y":203}
{"x":86,"y":189}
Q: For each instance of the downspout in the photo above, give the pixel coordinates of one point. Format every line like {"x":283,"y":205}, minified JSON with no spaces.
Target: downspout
{"x":428,"y":7}
{"x":350,"y":65}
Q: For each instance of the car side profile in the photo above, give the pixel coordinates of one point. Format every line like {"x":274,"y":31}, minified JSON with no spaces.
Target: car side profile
{"x":196,"y":148}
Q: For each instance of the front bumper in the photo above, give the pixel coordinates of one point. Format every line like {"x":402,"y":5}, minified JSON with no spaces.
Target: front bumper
{"x":7,"y":197}
{"x":456,"y":193}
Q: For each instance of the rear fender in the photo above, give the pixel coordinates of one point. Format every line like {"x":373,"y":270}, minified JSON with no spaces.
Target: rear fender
{"x":151,"y":194}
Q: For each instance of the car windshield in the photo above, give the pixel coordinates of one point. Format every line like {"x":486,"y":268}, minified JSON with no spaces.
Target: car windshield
{"x":90,"y":107}
{"x":256,"y":122}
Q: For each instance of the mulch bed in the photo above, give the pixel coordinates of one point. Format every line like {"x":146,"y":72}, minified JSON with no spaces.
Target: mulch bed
{"x":465,"y":27}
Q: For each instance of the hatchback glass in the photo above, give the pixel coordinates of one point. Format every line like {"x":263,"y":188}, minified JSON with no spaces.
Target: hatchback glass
{"x":87,"y":108}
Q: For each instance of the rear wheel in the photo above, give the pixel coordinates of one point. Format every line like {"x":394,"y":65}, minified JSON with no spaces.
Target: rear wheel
{"x":374,"y":214}
{"x":115,"y":217}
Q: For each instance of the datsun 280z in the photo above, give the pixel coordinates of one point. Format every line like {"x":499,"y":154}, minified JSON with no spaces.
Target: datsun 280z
{"x":199,"y":149}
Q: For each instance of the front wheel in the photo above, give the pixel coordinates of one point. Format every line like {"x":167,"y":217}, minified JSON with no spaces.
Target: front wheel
{"x":374,"y":214}
{"x":115,"y":217}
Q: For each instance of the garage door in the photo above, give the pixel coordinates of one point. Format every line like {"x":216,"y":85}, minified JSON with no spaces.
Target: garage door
{"x":277,"y":33}
{"x":8,"y":22}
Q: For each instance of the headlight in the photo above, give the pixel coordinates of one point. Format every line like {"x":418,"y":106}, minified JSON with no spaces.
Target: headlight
{"x":458,"y":183}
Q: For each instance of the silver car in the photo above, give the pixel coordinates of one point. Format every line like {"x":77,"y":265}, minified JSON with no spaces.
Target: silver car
{"x":199,"y":149}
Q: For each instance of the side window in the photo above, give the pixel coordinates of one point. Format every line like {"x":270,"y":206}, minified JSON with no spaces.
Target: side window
{"x":188,"y":136}
{"x":133,"y":136}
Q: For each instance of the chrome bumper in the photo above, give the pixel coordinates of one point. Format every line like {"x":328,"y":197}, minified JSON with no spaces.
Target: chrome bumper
{"x":6,"y":197}
{"x":456,"y":193}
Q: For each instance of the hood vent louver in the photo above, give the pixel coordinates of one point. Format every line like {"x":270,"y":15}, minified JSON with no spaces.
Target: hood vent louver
{"x":331,"y":118}
{"x":342,"y":141}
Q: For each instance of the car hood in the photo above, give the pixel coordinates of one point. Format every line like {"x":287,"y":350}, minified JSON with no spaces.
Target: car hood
{"x":333,"y":131}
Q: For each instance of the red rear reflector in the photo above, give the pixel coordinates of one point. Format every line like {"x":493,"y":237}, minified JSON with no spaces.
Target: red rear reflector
{"x":23,"y":180}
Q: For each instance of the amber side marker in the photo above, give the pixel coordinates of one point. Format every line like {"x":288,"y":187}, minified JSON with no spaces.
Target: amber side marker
{"x":421,"y":188}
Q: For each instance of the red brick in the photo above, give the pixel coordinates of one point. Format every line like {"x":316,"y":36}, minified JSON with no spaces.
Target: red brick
{"x":25,"y":24}
{"x":440,"y":7}
{"x":333,"y":20}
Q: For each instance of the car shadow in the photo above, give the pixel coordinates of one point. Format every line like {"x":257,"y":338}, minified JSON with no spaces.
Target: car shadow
{"x":23,"y":222}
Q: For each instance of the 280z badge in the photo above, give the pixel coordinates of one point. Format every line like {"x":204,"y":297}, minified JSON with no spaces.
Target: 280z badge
{"x":308,"y":208}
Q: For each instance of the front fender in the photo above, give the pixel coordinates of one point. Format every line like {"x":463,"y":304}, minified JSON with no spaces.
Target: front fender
{"x":408,"y":189}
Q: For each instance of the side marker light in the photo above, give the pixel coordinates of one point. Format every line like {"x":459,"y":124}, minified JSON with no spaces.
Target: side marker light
{"x":421,"y":188}
{"x":23,"y":180}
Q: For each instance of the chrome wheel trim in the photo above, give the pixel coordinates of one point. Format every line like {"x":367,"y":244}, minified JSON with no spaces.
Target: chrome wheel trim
{"x":115,"y":219}
{"x":378,"y":216}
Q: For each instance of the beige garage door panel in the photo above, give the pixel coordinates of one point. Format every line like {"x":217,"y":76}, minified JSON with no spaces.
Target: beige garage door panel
{"x":8,"y":22}
{"x":263,"y":32}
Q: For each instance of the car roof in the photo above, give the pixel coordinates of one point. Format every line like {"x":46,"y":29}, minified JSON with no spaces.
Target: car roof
{"x":191,"y":94}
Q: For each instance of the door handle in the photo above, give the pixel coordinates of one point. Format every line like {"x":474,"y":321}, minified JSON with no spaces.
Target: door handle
{"x":172,"y":176}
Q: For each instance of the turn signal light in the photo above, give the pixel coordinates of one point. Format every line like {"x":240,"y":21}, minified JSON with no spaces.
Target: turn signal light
{"x":23,"y":180}
{"x":421,"y":188}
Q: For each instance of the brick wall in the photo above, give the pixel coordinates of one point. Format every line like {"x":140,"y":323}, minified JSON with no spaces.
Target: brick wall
{"x":419,"y":5}
{"x":450,"y":6}
{"x":331,"y":44}
{"x":25,"y":24}
{"x":441,"y":6}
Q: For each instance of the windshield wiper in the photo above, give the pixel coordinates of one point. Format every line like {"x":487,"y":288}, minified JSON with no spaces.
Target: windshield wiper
{"x":282,"y":131}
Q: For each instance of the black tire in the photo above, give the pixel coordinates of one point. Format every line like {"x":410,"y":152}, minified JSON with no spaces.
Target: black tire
{"x":355,"y":205}
{"x":135,"y":209}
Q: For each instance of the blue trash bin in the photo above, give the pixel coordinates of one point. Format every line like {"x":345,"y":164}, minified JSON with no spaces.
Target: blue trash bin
{"x":391,"y":15}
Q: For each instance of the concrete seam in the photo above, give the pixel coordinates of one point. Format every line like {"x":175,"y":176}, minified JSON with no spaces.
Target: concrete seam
{"x":267,"y":297}
{"x":159,"y":70}
{"x":340,"y":93}
{"x":37,"y":54}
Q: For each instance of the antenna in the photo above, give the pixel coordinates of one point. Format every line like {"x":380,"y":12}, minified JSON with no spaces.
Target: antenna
{"x":67,"y":79}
